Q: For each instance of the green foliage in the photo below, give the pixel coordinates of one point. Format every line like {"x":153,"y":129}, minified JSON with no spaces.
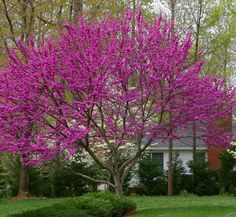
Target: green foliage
{"x":51,"y":180}
{"x":178,"y":174}
{"x":93,"y":206}
{"x":66,"y":183}
{"x":202,"y":181}
{"x":190,"y":206}
{"x":96,"y":204}
{"x":152,"y":180}
{"x":9,"y":175}
{"x":227,"y":171}
{"x":54,"y":211}
{"x":121,"y":205}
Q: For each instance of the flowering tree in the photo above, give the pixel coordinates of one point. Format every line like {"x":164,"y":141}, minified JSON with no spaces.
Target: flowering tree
{"x":106,"y":89}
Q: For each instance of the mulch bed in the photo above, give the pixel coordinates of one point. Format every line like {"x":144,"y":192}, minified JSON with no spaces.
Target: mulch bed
{"x":133,"y":212}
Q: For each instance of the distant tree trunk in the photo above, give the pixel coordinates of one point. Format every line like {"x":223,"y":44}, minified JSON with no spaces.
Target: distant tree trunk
{"x":28,"y":16}
{"x":170,"y":168}
{"x":24,"y":180}
{"x":198,"y":25}
{"x":134,"y":12}
{"x":78,"y":9}
{"x":170,"y":163}
{"x":53,"y":190}
{"x":194,"y":142}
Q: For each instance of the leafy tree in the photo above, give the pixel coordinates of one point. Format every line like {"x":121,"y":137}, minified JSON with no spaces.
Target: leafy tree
{"x":9,"y":175}
{"x":212,"y":26}
{"x":227,"y":170}
{"x":76,"y":93}
{"x":152,"y":181}
{"x":178,"y":174}
{"x":203,"y":181}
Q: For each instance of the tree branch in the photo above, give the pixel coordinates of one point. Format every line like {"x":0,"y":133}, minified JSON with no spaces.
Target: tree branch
{"x":89,"y":178}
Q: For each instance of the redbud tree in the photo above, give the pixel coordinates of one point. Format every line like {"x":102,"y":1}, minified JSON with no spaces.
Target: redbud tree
{"x":109,"y":90}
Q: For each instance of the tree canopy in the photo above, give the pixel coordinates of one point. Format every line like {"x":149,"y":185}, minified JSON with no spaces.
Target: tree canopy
{"x":107,"y":88}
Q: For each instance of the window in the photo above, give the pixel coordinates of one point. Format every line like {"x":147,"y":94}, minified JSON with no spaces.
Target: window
{"x":158,"y":157}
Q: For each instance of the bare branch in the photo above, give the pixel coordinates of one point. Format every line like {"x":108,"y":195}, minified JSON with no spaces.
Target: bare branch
{"x":9,"y":22}
{"x":89,"y":177}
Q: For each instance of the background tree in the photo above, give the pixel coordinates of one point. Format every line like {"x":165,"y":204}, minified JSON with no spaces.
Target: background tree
{"x":152,"y":181}
{"x":211,"y":25}
{"x":227,"y":170}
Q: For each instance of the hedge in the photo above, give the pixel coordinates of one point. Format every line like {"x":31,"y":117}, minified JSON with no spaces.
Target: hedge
{"x":91,"y":205}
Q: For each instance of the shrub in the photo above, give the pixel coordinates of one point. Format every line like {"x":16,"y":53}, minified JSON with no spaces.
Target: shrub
{"x":178,"y":174}
{"x":53,"y":211}
{"x":152,"y":180}
{"x":121,"y":205}
{"x":227,"y":171}
{"x":202,"y":181}
{"x":9,"y":175}
{"x":91,"y":205}
{"x":51,"y":180}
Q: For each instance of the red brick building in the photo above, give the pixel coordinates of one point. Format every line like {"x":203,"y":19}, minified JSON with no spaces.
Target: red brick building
{"x":214,"y":152}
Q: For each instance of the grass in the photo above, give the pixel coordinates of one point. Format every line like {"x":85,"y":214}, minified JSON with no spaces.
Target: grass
{"x":15,"y":206}
{"x":190,"y":206}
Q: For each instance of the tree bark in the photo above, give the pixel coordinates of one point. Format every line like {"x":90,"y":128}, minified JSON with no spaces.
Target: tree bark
{"x":170,"y":168}
{"x":198,"y":25}
{"x":24,"y":180}
{"x":118,"y":185}
{"x":170,"y":163}
{"x":194,"y":142}
{"x":78,"y":9}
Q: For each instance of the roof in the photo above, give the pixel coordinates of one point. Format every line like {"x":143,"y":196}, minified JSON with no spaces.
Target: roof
{"x":184,"y":143}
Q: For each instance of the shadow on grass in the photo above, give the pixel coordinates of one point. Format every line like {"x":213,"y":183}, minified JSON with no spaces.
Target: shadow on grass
{"x":201,"y":211}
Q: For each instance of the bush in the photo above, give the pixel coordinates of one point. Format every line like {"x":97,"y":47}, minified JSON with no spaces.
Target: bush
{"x":178,"y":174}
{"x":152,"y":180}
{"x":51,"y":180}
{"x":120,"y":205}
{"x":9,"y":175}
{"x":227,"y":171}
{"x":202,"y":181}
{"x":91,"y":205}
{"x":53,"y":211}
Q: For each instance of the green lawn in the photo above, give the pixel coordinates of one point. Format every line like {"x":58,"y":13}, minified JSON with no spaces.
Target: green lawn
{"x":150,"y":206}
{"x":9,"y":207}
{"x":186,"y":206}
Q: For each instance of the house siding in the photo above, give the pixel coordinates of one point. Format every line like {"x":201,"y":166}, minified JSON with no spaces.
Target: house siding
{"x":184,"y":155}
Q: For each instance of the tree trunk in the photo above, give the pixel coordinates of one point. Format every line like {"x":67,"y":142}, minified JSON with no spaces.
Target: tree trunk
{"x":198,"y":25}
{"x":24,"y":181}
{"x":170,"y":163}
{"x":170,"y":168}
{"x":78,"y":9}
{"x":194,"y":142}
{"x":118,"y":185}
